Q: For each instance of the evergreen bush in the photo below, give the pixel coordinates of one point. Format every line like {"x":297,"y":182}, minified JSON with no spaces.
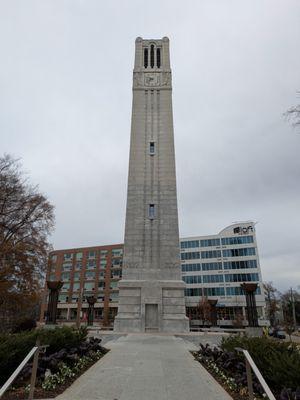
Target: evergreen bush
{"x":14,"y":347}
{"x":278,"y":362}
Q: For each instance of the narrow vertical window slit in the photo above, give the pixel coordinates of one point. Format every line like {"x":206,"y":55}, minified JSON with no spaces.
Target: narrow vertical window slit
{"x":152,"y":56}
{"x":158,"y":58}
{"x":145,"y":58}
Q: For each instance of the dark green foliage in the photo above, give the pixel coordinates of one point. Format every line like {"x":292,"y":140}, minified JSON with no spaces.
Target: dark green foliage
{"x":279,"y":362}
{"x":26,"y":324}
{"x":14,"y":347}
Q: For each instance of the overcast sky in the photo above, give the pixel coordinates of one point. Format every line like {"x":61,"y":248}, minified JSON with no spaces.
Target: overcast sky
{"x":65,"y":106}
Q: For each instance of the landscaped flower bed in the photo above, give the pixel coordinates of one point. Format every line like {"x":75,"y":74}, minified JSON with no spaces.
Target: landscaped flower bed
{"x":68,"y":355}
{"x":279,"y":364}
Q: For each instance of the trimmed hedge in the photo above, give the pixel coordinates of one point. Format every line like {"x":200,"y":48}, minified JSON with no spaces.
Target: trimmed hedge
{"x":278,"y":362}
{"x":14,"y":347}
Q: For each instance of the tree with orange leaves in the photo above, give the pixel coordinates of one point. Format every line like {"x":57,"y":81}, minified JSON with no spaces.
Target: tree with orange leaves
{"x":26,"y":220}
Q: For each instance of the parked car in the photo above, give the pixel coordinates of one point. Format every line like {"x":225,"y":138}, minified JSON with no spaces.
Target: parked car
{"x":279,"y":334}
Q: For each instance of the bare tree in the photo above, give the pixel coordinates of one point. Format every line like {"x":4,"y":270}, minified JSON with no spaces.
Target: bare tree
{"x":204,"y":311}
{"x":293,"y":114}
{"x":26,"y":220}
{"x":272,"y":300}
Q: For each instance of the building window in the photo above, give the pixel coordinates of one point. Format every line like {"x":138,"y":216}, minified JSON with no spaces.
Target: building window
{"x":65,"y":276}
{"x":190,"y":256}
{"x":68,"y":256}
{"x":152,"y":56}
{"x":79,"y":256}
{"x":145,"y":58}
{"x":212,"y":278}
{"x":247,"y":251}
{"x":240,"y":264}
{"x":151,"y":148}
{"x":91,"y":254}
{"x":89,"y":285}
{"x":90,"y":275}
{"x":193,"y":292}
{"x":189,"y":244}
{"x":117,"y":252}
{"x":151,"y":211}
{"x":67,"y":266}
{"x":76,"y":287}
{"x":211,"y":266}
{"x":54,"y":258}
{"x":101,"y":285}
{"x":190,"y":267}
{"x":211,"y":254}
{"x":158,"y":61}
{"x":241,"y":277}
{"x":91,"y":264}
{"x":63,"y":298}
{"x":78,"y":266}
{"x":192,"y":279}
{"x":114,"y":284}
{"x":210,"y":242}
{"x":65,"y":287}
{"x":237,"y":240}
{"x":214,"y":291}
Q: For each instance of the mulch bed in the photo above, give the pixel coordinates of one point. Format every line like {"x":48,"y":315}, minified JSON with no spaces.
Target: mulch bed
{"x":40,"y":393}
{"x":233,"y":394}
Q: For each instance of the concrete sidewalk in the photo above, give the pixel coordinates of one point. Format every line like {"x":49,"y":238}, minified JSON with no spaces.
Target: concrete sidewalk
{"x":146,"y":367}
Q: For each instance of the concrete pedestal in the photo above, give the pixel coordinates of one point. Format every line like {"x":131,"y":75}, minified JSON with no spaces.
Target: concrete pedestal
{"x":151,"y":306}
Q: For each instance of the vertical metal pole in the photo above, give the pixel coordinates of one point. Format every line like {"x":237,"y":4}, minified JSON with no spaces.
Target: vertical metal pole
{"x":34,"y":370}
{"x":79,"y":307}
{"x":293,"y":308}
{"x":249,"y":380}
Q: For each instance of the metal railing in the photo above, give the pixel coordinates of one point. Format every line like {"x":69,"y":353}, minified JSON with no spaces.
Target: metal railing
{"x":250,"y":364}
{"x":35,"y":351}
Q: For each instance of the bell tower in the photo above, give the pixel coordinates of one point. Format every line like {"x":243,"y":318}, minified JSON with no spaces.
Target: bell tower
{"x":151,"y":292}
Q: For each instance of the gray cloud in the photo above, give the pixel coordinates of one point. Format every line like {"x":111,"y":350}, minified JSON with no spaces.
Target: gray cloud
{"x":65,"y":103}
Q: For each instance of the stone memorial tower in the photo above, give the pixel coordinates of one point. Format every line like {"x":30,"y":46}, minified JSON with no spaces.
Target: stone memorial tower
{"x":151,"y":292}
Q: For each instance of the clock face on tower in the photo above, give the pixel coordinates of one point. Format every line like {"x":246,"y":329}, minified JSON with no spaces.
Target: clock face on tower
{"x":152,"y":79}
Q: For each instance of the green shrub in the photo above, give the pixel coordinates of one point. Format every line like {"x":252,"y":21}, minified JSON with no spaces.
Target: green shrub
{"x":25,"y":324}
{"x":278,"y":362}
{"x":14,"y":347}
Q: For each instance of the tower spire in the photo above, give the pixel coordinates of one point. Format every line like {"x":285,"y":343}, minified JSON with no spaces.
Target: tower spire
{"x":151,"y":292}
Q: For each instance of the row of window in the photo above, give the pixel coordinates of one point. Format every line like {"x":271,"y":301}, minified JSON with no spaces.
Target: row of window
{"x":217,"y":291}
{"x":192,"y":279}
{"x":64,"y":298}
{"x":193,"y":255}
{"x":237,"y":240}
{"x":220,"y":278}
{"x":238,"y":291}
{"x":91,"y":264}
{"x":241,"y":277}
{"x":88,"y":286}
{"x":240,"y":264}
{"x":188,"y":244}
{"x":91,"y":254}
{"x":246,"y":251}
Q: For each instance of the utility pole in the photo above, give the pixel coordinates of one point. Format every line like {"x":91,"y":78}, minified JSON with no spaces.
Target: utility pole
{"x":293,"y":307}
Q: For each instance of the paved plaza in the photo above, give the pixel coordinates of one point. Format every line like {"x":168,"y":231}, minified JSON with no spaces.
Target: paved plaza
{"x":146,"y":367}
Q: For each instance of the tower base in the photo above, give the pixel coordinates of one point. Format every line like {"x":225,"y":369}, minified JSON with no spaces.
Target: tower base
{"x":151,"y":306}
